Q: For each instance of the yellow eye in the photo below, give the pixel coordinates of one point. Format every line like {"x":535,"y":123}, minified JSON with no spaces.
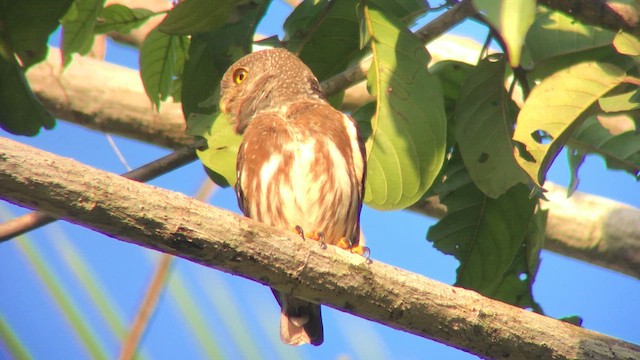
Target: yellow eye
{"x":239,"y":75}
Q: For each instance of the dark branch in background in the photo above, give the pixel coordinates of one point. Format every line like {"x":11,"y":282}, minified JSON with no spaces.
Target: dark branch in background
{"x":608,"y":14}
{"x":177,"y":224}
{"x":150,"y":171}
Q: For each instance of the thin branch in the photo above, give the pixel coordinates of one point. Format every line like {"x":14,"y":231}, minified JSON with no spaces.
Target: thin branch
{"x":176,"y":224}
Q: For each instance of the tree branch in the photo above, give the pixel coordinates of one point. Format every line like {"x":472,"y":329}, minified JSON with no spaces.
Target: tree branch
{"x":176,"y":224}
{"x":106,"y":97}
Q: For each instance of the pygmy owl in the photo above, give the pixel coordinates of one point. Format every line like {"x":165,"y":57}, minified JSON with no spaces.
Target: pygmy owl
{"x":300,"y":166}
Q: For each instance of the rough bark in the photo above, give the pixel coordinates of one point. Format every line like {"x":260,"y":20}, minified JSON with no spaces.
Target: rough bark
{"x":176,"y":224}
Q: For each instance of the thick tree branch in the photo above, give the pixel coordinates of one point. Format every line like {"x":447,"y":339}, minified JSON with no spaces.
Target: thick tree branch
{"x":173,"y":223}
{"x":106,"y":97}
{"x":608,"y":14}
{"x":33,"y":220}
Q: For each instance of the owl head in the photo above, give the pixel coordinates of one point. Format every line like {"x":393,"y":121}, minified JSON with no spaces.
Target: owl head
{"x":265,"y":80}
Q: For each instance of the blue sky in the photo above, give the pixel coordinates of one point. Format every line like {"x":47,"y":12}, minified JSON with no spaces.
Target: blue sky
{"x":230,"y":305}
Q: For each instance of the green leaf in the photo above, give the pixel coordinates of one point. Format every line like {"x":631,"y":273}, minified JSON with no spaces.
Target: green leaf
{"x":626,"y":101}
{"x":512,"y":18}
{"x":211,"y":54}
{"x":196,"y":16}
{"x":20,"y":111}
{"x":451,"y":75}
{"x":497,"y":241}
{"x":555,"y":108}
{"x":556,"y":34}
{"x":77,"y":28}
{"x":627,"y":44}
{"x":160,"y":55}
{"x":119,"y":18}
{"x":223,"y":144}
{"x":620,"y":151}
{"x":27,"y":25}
{"x":406,"y":148}
{"x":327,"y":35}
{"x":484,"y":121}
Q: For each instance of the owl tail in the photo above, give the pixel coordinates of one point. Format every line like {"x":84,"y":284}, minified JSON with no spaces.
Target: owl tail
{"x":300,"y":321}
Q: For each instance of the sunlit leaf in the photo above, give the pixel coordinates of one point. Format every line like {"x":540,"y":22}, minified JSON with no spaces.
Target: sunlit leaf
{"x":406,"y":147}
{"x":119,"y":18}
{"x":27,"y":24}
{"x":497,"y":241}
{"x":512,"y":18}
{"x":484,"y":121}
{"x":21,"y":113}
{"x":627,"y":44}
{"x":556,"y":34}
{"x":223,"y":144}
{"x":196,"y":16}
{"x":211,"y":54}
{"x":159,"y":56}
{"x":626,"y":101}
{"x":77,"y":27}
{"x":620,"y":151}
{"x":555,"y":108}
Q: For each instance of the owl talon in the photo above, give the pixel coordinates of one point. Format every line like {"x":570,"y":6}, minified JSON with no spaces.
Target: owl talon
{"x":313,"y":235}
{"x":345,"y":244}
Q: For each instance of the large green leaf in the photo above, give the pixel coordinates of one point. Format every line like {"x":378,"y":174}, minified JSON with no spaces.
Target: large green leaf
{"x":20,"y":111}
{"x":556,"y":34}
{"x":620,"y":151}
{"x":120,"y":18}
{"x":406,"y":147}
{"x":211,"y":54}
{"x":223,"y":143}
{"x":196,"y":16}
{"x":497,"y":241}
{"x":27,"y":24}
{"x":77,"y":27}
{"x":160,"y":55}
{"x":512,"y":18}
{"x":484,"y":121}
{"x":555,"y":108}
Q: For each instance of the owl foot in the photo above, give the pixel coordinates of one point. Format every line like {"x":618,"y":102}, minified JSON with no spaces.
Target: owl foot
{"x":345,"y":244}
{"x":313,"y":235}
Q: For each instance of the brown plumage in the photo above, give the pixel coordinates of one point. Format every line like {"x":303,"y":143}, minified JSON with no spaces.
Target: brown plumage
{"x":301,"y":163}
